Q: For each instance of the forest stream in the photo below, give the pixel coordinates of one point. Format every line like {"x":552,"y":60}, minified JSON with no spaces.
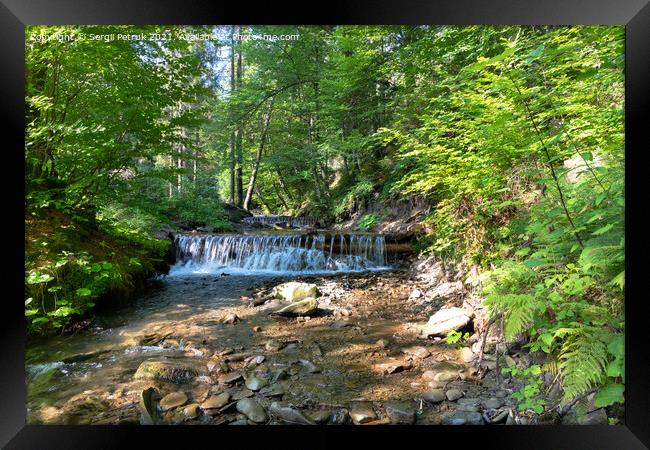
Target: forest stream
{"x":359,"y":357}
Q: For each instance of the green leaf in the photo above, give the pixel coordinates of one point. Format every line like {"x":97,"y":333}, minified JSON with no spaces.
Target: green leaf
{"x":608,"y":395}
{"x":84,"y":292}
{"x":603,"y":230}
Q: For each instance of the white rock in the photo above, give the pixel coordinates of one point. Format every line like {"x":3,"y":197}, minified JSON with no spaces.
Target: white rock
{"x":447,"y":320}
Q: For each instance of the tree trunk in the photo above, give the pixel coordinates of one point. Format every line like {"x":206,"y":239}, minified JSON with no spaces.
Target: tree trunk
{"x":239,"y":193}
{"x":258,"y":156}
{"x":232,"y":134}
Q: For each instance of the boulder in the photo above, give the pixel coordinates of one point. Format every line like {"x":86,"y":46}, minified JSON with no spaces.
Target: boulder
{"x":447,"y":320}
{"x":304,"y":307}
{"x":446,"y":290}
{"x":165,"y":371}
{"x":294,"y":291}
{"x":362,"y":412}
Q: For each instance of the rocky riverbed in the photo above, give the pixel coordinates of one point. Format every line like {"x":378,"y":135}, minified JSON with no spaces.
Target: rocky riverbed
{"x":213,"y":350}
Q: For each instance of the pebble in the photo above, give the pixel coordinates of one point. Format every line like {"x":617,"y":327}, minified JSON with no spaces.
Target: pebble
{"x":493,"y":403}
{"x":417,"y":352}
{"x":244,"y":393}
{"x":230,"y":378}
{"x":231,"y":319}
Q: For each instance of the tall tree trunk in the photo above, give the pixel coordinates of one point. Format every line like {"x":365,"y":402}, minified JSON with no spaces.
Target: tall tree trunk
{"x":239,"y":193}
{"x":232,"y":133}
{"x":258,"y":156}
{"x":171,"y":189}
{"x":180,"y":166}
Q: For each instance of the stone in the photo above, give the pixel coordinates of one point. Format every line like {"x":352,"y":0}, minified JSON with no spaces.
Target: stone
{"x":415,"y":294}
{"x":320,"y":415}
{"x":393,"y":366}
{"x":304,"y":307}
{"x":463,"y":418}
{"x":362,"y":412}
{"x":288,"y":414}
{"x":275,"y":390}
{"x":230,"y":378}
{"x":453,"y":394}
{"x":218,"y":365}
{"x":466,"y":354}
{"x":493,"y":403}
{"x":499,"y":416}
{"x":340,"y":324}
{"x":191,"y":411}
{"x":239,"y":422}
{"x":382,"y":343}
{"x":231,"y":318}
{"x":400,"y":413}
{"x":434,"y":396}
{"x":446,"y":320}
{"x":173,"y":400}
{"x":345,"y":312}
{"x":244,"y":393}
{"x":257,"y":329}
{"x":446,"y":290}
{"x":417,"y":352}
{"x":165,"y":371}
{"x":251,"y":409}
{"x":294,"y":291}
{"x":147,"y":406}
{"x":340,"y":417}
{"x":255,"y":384}
{"x":216,"y":401}
{"x":443,"y":371}
{"x":311,"y":368}
{"x":274,"y":346}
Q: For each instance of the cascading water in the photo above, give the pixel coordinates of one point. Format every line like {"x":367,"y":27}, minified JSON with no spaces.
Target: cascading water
{"x":285,"y":253}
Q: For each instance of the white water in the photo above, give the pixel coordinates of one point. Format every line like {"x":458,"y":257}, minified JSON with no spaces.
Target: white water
{"x":242,"y":254}
{"x":272,"y":220}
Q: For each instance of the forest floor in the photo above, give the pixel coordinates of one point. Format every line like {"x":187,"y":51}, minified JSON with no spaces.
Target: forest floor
{"x":359,"y":359}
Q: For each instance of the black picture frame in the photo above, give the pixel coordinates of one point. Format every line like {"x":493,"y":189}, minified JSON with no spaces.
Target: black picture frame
{"x":634,"y":14}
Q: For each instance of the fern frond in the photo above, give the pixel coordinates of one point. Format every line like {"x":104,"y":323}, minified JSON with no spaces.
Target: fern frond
{"x":583,"y":362}
{"x":520,"y":312}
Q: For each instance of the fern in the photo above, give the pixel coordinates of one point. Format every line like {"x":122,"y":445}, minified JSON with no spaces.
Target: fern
{"x":519,"y":311}
{"x":583,"y":362}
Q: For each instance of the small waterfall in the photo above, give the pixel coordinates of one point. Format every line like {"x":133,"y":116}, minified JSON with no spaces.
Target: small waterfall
{"x":280,"y":253}
{"x":269,"y":221}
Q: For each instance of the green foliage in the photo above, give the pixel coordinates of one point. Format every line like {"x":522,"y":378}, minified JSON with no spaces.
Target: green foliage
{"x":528,"y":397}
{"x":458,"y":338}
{"x":367,"y":221}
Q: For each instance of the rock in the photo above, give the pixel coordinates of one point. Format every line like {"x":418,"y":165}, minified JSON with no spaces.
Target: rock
{"x":191,"y":411}
{"x":443,"y":371}
{"x":446,"y":290}
{"x":417,"y":352}
{"x":165,"y":371}
{"x":340,"y":324}
{"x":218,"y":365}
{"x":311,"y":368}
{"x":294,"y":291}
{"x":251,"y":409}
{"x":288,"y":414}
{"x":216,"y":401}
{"x":231,"y":319}
{"x":305,"y":307}
{"x":466,"y":355}
{"x":597,"y":417}
{"x":280,"y":374}
{"x":255,"y":384}
{"x":434,"y":396}
{"x":393,"y":366}
{"x":275,"y":390}
{"x":453,"y":394}
{"x":244,"y":393}
{"x":463,"y":418}
{"x":362,"y":412}
{"x":400,"y":413}
{"x":230,"y":378}
{"x":239,"y":422}
{"x":173,"y":400}
{"x":320,"y":416}
{"x":382,"y":343}
{"x":499,"y":416}
{"x":493,"y":403}
{"x":345,"y":312}
{"x":415,"y":294}
{"x":257,"y":329}
{"x":147,"y":406}
{"x":446,"y":320}
{"x":340,"y":417}
{"x":274,"y":346}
